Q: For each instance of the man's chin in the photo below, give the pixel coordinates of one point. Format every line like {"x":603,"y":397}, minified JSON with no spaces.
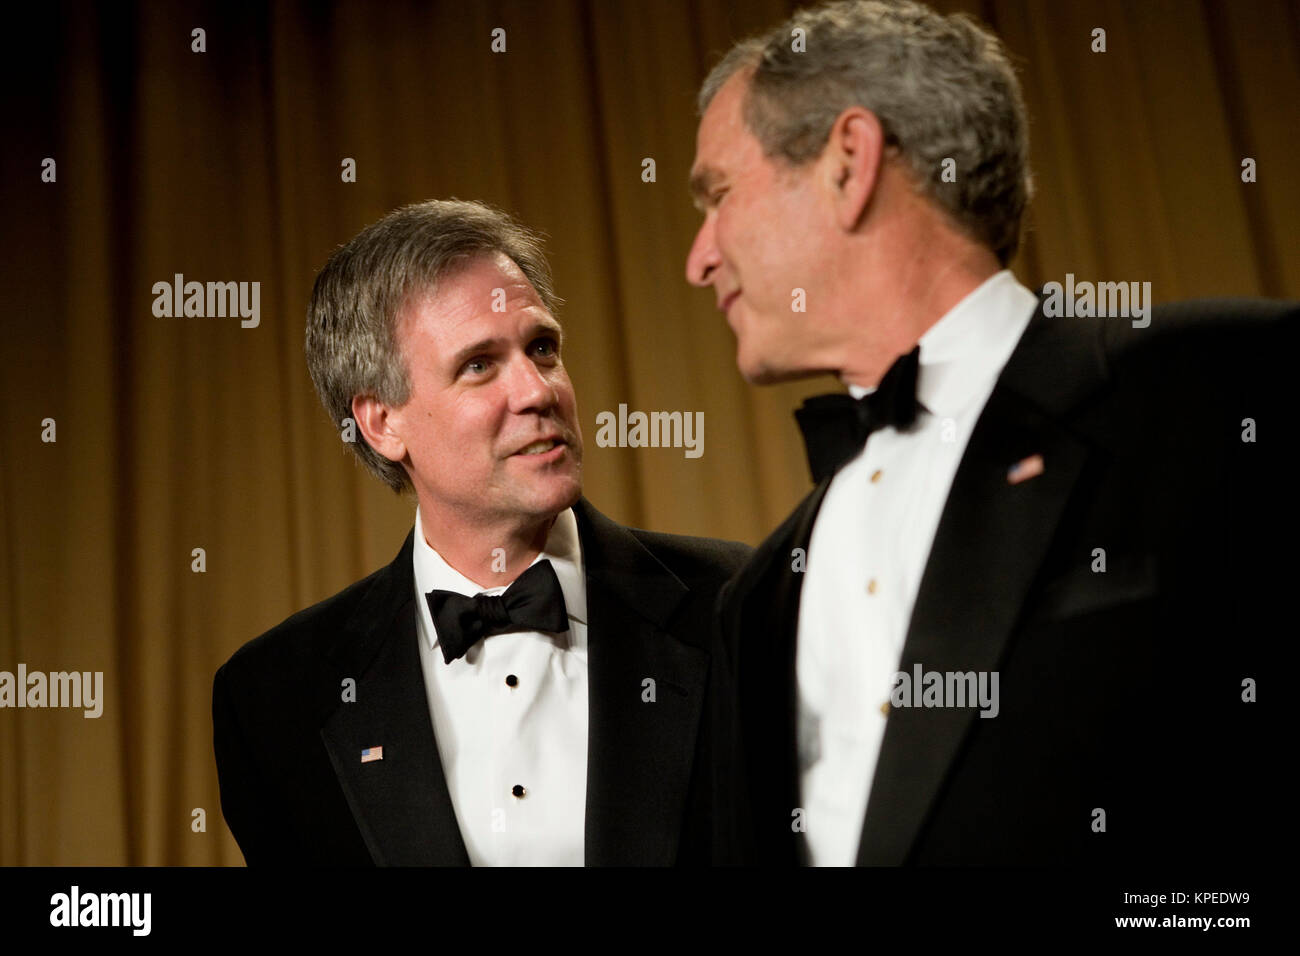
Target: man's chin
{"x":573,"y":495}
{"x":759,"y":376}
{"x":757,"y":370}
{"x":563,"y":494}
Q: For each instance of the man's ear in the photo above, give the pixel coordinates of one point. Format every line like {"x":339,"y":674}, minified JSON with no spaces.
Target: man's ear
{"x":376,"y":420}
{"x":854,"y":153}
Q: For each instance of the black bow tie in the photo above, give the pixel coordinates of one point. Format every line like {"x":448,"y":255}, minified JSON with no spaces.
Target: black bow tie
{"x":534,"y":602}
{"x":835,"y":427}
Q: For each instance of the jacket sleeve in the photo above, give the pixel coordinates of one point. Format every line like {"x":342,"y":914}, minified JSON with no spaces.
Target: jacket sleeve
{"x":247,"y":802}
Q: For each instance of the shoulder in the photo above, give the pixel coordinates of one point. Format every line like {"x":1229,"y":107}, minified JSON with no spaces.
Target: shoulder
{"x":695,"y":559}
{"x":1113,"y":378}
{"x":1202,"y":331}
{"x":1239,"y":313}
{"x":1200,"y":366}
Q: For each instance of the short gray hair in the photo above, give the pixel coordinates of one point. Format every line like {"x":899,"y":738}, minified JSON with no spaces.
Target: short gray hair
{"x":941,"y":86}
{"x":352,"y":345}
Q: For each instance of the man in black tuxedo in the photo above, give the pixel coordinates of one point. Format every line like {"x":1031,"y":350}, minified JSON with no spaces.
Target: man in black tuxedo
{"x":1023,"y":615}
{"x":524,"y":683}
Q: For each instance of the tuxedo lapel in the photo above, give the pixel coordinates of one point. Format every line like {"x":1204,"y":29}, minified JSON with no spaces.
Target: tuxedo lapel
{"x":639,"y":751}
{"x":400,"y":802}
{"x":992,"y":536}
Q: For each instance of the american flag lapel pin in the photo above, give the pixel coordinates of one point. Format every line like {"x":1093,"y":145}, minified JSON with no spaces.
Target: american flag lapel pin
{"x":372,"y":753}
{"x":1025,"y":469}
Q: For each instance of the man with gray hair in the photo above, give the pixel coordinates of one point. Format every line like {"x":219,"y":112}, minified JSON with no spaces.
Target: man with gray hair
{"x":524,"y":683}
{"x":1024,"y":607}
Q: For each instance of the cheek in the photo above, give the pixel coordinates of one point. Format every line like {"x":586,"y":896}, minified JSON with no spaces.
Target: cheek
{"x":559,"y":380}
{"x":469,"y":423}
{"x":764,"y":240}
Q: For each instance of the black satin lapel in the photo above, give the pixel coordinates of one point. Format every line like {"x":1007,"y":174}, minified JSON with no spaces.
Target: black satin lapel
{"x":641,"y":736}
{"x":990,"y":541}
{"x":401,"y":803}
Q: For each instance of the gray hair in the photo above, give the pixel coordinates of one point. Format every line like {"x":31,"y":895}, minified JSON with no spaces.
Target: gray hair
{"x":941,"y":86}
{"x":352,"y":345}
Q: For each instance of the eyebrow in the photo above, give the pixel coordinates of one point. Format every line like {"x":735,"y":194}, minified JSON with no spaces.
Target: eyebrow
{"x":488,"y":345}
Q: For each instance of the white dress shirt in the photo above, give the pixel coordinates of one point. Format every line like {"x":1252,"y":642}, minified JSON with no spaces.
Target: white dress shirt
{"x":869,"y":548}
{"x":493,"y":737}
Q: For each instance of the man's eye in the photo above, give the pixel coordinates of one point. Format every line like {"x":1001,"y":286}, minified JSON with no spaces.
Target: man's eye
{"x":548,"y":347}
{"x":716,"y":198}
{"x":475,"y":366}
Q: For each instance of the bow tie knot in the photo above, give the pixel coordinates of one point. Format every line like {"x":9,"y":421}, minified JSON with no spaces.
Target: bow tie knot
{"x":491,"y":612}
{"x":535,"y":602}
{"x":836,"y":426}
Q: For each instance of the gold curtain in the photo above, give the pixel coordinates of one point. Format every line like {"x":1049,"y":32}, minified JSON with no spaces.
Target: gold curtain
{"x":174,"y":434}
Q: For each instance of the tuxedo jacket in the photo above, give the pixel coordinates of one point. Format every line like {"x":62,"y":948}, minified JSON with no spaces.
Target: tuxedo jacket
{"x":1126,"y":730}
{"x":293,"y":789}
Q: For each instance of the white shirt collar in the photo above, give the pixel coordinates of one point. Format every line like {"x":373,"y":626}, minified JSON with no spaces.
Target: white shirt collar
{"x":965,"y":350}
{"x":563,"y":549}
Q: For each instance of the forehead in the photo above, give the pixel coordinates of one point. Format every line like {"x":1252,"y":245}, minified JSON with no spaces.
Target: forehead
{"x":479,"y":290}
{"x":723,"y":142}
{"x":723,"y":118}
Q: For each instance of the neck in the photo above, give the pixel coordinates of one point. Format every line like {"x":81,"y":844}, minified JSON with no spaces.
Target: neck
{"x":912,"y":273}
{"x":491,"y":556}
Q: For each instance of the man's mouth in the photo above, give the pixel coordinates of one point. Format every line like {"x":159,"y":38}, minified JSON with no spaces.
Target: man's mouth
{"x":725,"y":304}
{"x":540,"y":447}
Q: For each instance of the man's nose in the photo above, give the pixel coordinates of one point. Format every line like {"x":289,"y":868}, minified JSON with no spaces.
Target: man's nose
{"x":530,"y":390}
{"x":703,"y":259}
